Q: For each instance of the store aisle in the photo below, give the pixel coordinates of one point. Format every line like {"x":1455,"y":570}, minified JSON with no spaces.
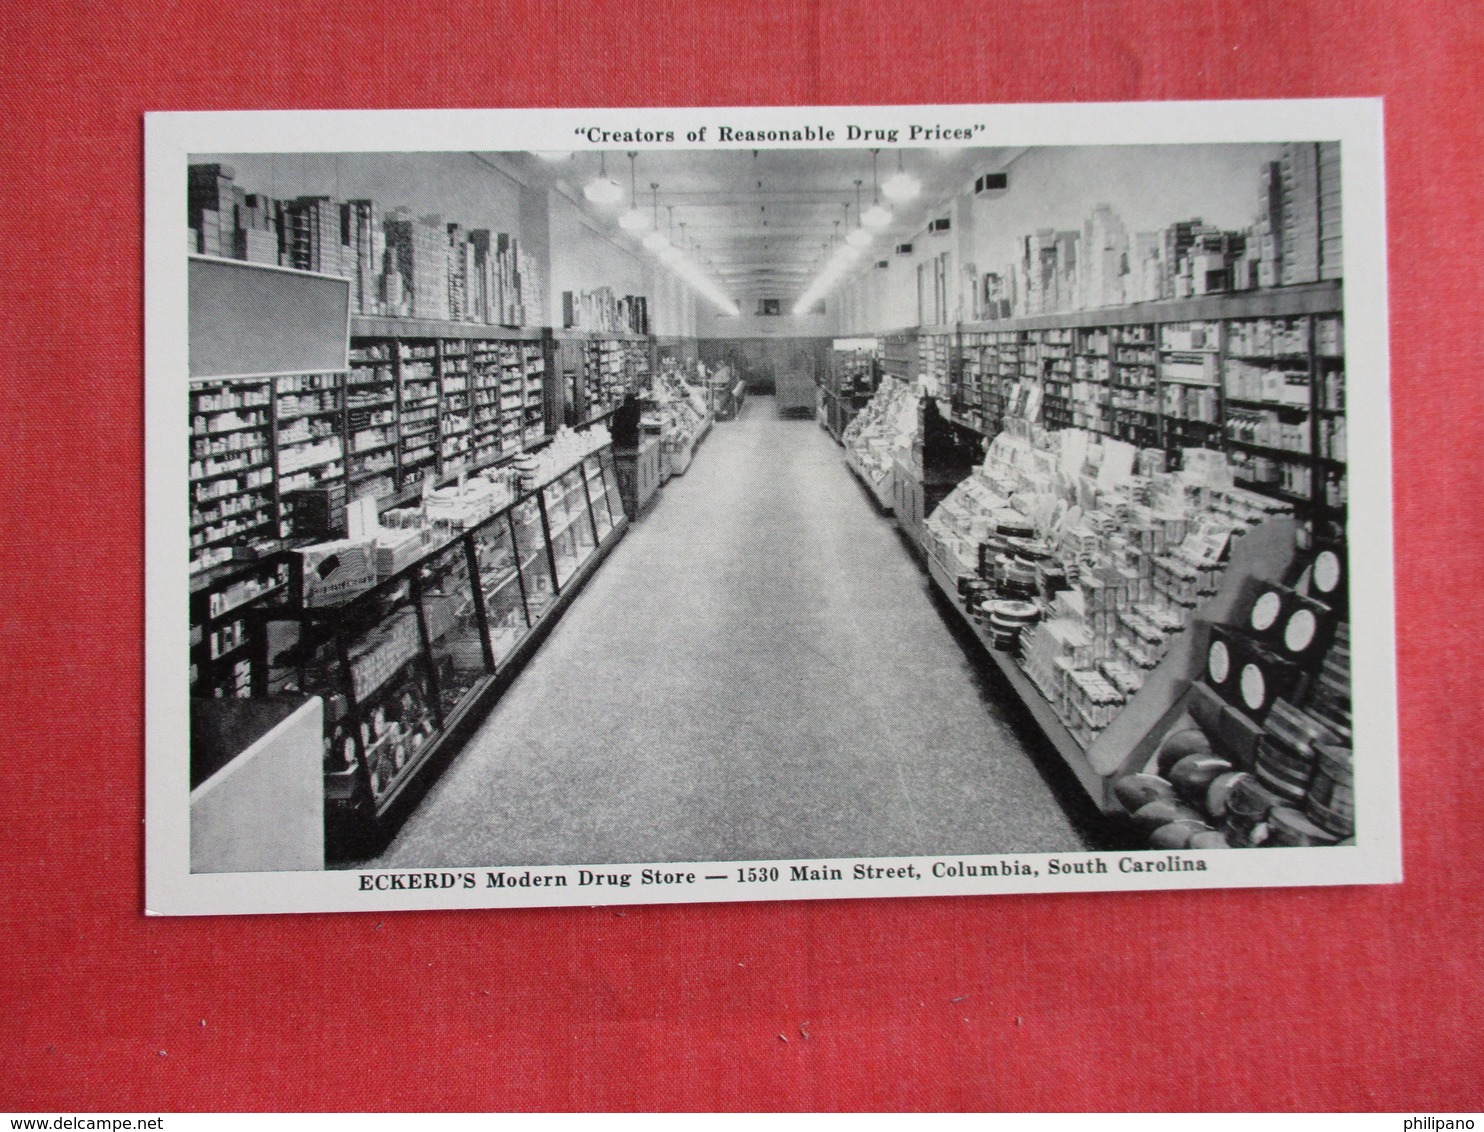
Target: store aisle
{"x":757,"y":671}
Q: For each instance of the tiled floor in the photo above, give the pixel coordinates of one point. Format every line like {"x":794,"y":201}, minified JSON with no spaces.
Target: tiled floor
{"x":757,"y":672}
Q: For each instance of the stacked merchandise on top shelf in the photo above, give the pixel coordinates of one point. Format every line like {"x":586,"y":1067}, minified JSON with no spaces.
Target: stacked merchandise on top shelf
{"x":1087,"y":561}
{"x":1295,"y":238}
{"x":604,"y":310}
{"x":882,"y":436}
{"x":398,"y":264}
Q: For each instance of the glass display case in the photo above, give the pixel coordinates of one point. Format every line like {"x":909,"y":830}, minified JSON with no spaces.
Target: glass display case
{"x":452,"y":621}
{"x":610,"y":484}
{"x":534,"y":557}
{"x":400,"y":665}
{"x":503,"y":590}
{"x":597,"y":494}
{"x":569,"y":522}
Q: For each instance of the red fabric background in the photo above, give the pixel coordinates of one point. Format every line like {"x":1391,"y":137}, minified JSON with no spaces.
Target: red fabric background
{"x":1340,"y":998}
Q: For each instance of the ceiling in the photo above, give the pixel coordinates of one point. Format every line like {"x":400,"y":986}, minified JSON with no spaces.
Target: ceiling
{"x":759,"y":220}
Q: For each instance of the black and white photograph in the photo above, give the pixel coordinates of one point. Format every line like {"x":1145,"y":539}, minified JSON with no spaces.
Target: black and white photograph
{"x":602,"y":507}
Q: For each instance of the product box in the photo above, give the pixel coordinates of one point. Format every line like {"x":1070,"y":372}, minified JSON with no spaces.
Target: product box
{"x":397,"y":549}
{"x":331,"y":573}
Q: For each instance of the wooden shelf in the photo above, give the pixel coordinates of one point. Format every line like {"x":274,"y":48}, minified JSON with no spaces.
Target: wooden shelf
{"x":380,"y":326}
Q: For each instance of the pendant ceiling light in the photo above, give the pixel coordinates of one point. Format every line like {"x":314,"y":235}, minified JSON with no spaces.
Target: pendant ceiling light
{"x":878,"y":216}
{"x":635,"y":219}
{"x":858,"y":237}
{"x":603,"y":189}
{"x":901,"y":185}
{"x":654,"y":239}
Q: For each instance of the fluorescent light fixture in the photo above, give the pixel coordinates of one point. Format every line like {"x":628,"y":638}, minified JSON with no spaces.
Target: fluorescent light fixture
{"x":683,"y":267}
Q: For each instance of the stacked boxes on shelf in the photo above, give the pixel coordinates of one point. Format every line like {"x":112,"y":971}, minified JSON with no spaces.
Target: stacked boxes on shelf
{"x":231,"y":474}
{"x":372,"y":422}
{"x":1190,"y":385}
{"x":1113,"y":561}
{"x":1133,"y":391}
{"x":311,"y":452}
{"x":454,"y":401}
{"x":1310,"y":244}
{"x":1268,"y":389}
{"x":221,"y":663}
{"x":605,"y":375}
{"x":934,"y":354}
{"x":417,"y":408}
{"x":211,"y":204}
{"x":312,"y":236}
{"x":486,"y":369}
{"x":399,"y":265}
{"x":533,"y":373}
{"x":417,"y":266}
{"x":604,"y":310}
{"x":1295,"y":238}
{"x":512,"y":400}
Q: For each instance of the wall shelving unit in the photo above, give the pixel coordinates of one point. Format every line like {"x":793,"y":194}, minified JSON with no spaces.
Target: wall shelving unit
{"x":1259,"y":374}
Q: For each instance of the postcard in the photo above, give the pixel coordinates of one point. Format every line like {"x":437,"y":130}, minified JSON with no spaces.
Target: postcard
{"x":575,"y":507}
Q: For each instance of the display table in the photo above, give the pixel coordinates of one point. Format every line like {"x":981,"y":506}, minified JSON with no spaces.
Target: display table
{"x":878,"y":483}
{"x":1128,"y":743}
{"x":257,"y":785}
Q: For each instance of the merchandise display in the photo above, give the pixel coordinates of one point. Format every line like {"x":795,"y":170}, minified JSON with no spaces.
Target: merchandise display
{"x":676,"y":414}
{"x":403,"y":629}
{"x":1262,"y":752}
{"x":605,"y":375}
{"x":880,"y":436}
{"x":1088,"y":566}
{"x":1295,"y":238}
{"x":934,"y":354}
{"x":602,"y":310}
{"x":848,"y":383}
{"x":1247,"y":378}
{"x":399,"y":266}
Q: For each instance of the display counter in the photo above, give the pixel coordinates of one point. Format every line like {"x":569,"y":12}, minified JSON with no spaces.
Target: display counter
{"x":257,"y":799}
{"x":408,"y":668}
{"x":639,"y":474}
